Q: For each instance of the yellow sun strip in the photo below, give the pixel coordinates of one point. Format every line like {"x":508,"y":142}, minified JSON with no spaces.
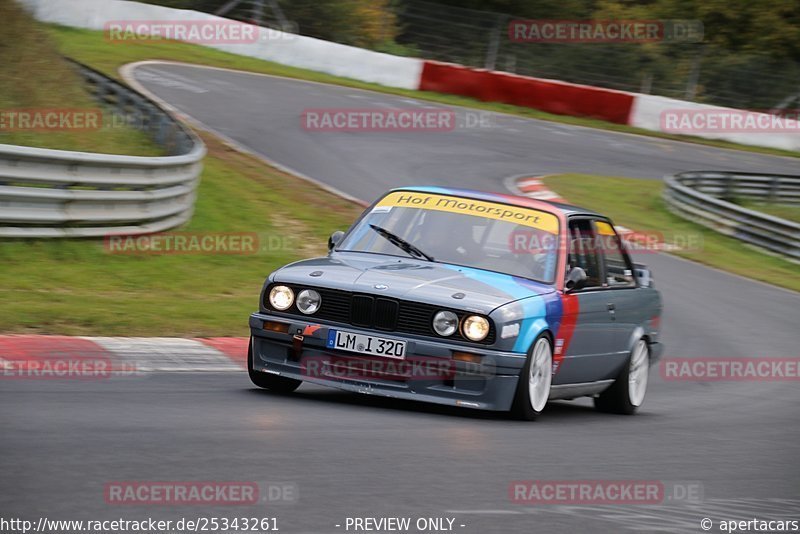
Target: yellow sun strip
{"x":478,"y":208}
{"x":603,"y":228}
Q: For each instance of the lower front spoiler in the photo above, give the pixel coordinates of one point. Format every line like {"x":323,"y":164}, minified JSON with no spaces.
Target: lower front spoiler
{"x":275,"y":354}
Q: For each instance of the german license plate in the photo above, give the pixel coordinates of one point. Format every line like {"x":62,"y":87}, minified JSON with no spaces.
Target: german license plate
{"x":362,"y":344}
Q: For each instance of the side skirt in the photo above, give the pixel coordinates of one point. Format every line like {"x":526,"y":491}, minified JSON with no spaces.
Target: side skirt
{"x":583,"y":389}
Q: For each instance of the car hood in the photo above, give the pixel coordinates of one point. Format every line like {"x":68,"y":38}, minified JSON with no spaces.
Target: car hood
{"x":440,"y":284}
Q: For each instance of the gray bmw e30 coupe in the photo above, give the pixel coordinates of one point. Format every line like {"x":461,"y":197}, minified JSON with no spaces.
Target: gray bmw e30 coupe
{"x":464,"y":298}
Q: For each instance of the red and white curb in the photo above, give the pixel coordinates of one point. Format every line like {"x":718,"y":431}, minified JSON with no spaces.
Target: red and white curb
{"x":534,"y":187}
{"x":124,"y":355}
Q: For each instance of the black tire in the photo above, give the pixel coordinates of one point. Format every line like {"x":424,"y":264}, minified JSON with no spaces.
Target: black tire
{"x":617,"y":398}
{"x":523,"y":408}
{"x":278,"y":384}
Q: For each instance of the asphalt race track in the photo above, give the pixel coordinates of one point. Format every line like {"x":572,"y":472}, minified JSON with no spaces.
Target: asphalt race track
{"x":352,"y":455}
{"x":264,"y":114}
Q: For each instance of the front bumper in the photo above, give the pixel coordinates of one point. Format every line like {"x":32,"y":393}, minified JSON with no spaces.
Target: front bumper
{"x":428,"y":374}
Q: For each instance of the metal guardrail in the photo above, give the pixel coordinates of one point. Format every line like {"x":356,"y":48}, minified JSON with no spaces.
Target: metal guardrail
{"x":57,"y":193}
{"x":706,"y":197}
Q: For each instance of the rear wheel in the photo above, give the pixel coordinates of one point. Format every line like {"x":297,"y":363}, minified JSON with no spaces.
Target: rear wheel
{"x":533,"y":388}
{"x":278,"y":384}
{"x":627,"y":392}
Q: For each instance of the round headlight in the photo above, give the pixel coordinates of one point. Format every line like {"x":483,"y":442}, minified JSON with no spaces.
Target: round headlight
{"x":308,"y":301}
{"x":445,"y":323}
{"x":475,"y":327}
{"x":281,"y":297}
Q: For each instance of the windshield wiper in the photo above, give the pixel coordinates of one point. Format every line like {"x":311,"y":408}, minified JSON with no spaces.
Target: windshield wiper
{"x":400,"y":243}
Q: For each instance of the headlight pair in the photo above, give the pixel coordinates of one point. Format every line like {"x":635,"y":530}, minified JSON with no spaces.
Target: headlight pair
{"x":474,"y":327}
{"x":445,"y":323}
{"x":282,"y":297}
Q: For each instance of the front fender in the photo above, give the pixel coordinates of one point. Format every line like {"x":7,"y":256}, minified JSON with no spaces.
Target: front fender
{"x":527,"y":317}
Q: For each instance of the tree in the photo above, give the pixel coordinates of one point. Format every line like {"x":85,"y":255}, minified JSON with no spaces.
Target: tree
{"x":364,"y":23}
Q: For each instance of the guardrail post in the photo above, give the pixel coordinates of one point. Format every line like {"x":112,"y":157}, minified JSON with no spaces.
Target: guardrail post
{"x":728,"y":188}
{"x":774,"y":189}
{"x":161,"y":130}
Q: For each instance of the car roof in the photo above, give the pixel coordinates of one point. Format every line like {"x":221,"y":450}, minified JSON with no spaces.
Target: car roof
{"x":504,"y":198}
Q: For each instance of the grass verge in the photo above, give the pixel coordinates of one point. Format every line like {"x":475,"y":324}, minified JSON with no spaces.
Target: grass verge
{"x":91,"y":47}
{"x":34,"y":77}
{"x":637,"y":204}
{"x":784,"y":211}
{"x":77,"y":287}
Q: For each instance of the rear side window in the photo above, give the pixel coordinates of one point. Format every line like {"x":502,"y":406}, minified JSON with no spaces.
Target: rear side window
{"x":583,"y":252}
{"x":619,"y":271}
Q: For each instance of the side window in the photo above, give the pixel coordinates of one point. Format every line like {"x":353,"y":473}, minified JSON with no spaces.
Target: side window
{"x":619,"y":272}
{"x":583,"y":252}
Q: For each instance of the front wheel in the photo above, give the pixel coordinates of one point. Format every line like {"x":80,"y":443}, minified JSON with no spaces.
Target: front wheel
{"x":278,"y":384}
{"x":533,"y":388}
{"x":627,"y":392}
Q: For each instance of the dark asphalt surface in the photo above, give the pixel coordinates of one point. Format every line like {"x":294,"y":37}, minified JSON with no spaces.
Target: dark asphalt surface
{"x":353,"y":455}
{"x":264,"y":114}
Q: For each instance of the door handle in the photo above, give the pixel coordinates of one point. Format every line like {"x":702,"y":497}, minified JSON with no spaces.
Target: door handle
{"x":611,"y":306}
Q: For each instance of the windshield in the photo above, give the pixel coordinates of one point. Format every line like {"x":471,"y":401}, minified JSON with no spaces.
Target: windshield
{"x":484,"y":235}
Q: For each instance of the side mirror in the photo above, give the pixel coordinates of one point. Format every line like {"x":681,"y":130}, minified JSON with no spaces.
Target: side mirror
{"x":334,"y":239}
{"x":644,"y":277}
{"x":576,"y":279}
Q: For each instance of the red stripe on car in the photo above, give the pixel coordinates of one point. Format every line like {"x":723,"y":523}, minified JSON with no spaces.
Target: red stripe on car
{"x":570,"y":307}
